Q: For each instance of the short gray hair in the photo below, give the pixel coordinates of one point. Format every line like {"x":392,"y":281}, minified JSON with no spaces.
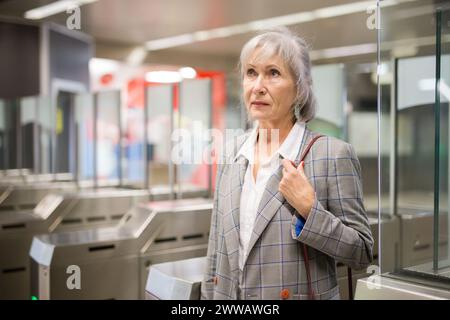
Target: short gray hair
{"x":295,"y":53}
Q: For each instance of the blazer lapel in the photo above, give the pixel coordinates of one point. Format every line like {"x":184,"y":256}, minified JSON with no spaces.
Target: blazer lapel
{"x":231,"y":214}
{"x":272,"y":199}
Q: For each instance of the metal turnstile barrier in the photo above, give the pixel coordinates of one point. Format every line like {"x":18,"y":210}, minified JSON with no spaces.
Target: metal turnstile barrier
{"x":177,"y":280}
{"x":20,"y":197}
{"x":165,"y":192}
{"x":386,"y":287}
{"x":391,"y":239}
{"x":415,"y":253}
{"x":56,"y":212}
{"x":25,"y":177}
{"x":416,"y":229}
{"x":113,"y":262}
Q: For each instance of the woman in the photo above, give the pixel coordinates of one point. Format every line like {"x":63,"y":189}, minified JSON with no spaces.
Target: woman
{"x":266,"y":208}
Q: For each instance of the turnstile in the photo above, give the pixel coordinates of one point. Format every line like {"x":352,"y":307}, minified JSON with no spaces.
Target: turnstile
{"x":23,"y":176}
{"x":389,"y":287}
{"x":113,"y":262}
{"x":179,"y":280}
{"x":19,"y":197}
{"x":416,"y":229}
{"x":176,"y":280}
{"x":165,"y":192}
{"x":56,"y":212}
{"x":416,"y":252}
{"x":25,"y":196}
{"x":391,"y":239}
{"x":11,"y":175}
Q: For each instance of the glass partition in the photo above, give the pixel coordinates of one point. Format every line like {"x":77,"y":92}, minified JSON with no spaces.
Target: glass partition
{"x":159,"y":114}
{"x":3,"y":146}
{"x":441,"y":241}
{"x":84,"y":124}
{"x":107,"y":128}
{"x":194,"y":137}
{"x":27,"y":145}
{"x":12,"y":134}
{"x":329,"y":89}
{"x":134,"y":148}
{"x":414,"y":44}
{"x":26,"y":129}
{"x":45,"y":133}
{"x":64,"y":125}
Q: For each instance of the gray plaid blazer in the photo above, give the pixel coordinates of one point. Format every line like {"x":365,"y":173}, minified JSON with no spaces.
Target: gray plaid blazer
{"x":337,"y":228}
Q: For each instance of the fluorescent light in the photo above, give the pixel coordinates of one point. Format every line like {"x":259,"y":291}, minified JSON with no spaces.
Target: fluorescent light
{"x":187,"y":72}
{"x":100,"y":66}
{"x":163,"y":76}
{"x":346,"y":51}
{"x":54,"y":8}
{"x":286,"y":20}
{"x":136,"y":56}
{"x":169,"y":42}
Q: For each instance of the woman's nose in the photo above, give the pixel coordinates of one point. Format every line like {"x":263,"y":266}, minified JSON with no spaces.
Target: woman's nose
{"x":259,"y":86}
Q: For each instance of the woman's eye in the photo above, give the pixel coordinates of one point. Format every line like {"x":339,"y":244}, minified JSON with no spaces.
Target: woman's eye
{"x":274,"y":73}
{"x":251,"y":72}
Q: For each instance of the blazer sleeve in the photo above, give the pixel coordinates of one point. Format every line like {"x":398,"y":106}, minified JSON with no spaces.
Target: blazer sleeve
{"x":341,"y":230}
{"x":207,"y":285}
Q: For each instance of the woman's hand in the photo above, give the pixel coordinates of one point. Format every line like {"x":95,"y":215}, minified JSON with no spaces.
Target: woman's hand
{"x":296,"y":188}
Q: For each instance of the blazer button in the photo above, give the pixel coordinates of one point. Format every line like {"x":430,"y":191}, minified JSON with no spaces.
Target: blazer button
{"x":284,"y":294}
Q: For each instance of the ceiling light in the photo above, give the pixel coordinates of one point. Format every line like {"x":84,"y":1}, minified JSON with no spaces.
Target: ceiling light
{"x":54,"y":8}
{"x":169,"y":42}
{"x":136,"y":56}
{"x":286,"y":20}
{"x":187,"y":72}
{"x":163,"y":76}
{"x":99,"y":66}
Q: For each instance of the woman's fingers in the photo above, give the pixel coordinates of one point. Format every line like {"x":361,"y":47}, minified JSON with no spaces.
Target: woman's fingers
{"x":301,"y":169}
{"x":288,"y":165}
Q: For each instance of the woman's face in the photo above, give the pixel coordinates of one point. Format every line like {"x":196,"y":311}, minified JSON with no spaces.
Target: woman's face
{"x":269,"y":89}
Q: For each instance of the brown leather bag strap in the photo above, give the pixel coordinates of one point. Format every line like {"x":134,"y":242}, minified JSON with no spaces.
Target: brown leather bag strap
{"x":305,"y":153}
{"x":311,"y":294}
{"x":305,"y":249}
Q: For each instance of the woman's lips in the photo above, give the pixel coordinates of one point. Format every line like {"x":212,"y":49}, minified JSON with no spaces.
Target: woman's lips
{"x":259,"y":104}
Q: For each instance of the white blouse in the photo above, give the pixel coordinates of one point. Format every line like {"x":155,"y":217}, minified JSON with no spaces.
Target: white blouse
{"x":254,"y":189}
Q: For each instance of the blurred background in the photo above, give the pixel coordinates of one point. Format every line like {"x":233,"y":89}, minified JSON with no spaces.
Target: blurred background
{"x":109,"y":110}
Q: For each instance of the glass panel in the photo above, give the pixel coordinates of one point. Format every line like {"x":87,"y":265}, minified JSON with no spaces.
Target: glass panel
{"x":2,"y":135}
{"x":159,"y":128}
{"x":12,"y":141}
{"x":46,"y":128}
{"x":195,"y":120}
{"x":419,"y":188}
{"x":108,"y":136}
{"x":415,"y":131}
{"x":389,"y":254}
{"x":84,"y":122}
{"x":360,"y":128}
{"x":441,"y":247}
{"x":329,"y":89}
{"x":134,"y":149}
{"x":27,"y":131}
{"x":65,"y":132}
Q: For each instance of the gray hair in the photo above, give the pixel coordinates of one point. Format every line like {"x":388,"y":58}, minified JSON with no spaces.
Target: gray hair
{"x":295,"y":53}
